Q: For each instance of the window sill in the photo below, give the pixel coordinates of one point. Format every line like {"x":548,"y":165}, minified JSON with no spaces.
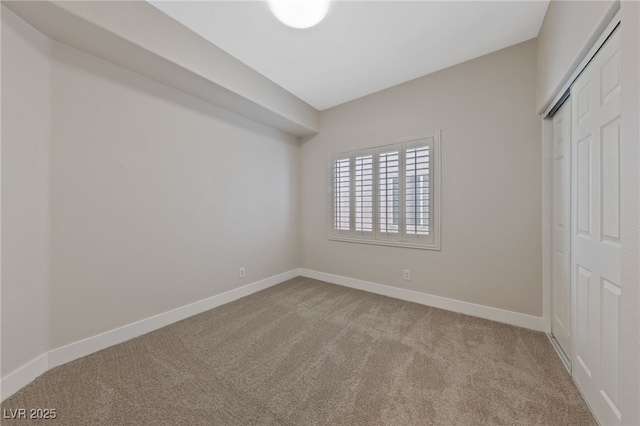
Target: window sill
{"x":403,"y":244}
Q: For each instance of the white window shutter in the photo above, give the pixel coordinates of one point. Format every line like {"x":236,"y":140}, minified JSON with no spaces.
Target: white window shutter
{"x":418,"y":191}
{"x":363,"y":194}
{"x":389,"y":193}
{"x":341,"y":172}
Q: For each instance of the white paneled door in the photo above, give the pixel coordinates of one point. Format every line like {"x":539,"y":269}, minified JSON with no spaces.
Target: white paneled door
{"x":561,"y":236}
{"x":595,"y":231}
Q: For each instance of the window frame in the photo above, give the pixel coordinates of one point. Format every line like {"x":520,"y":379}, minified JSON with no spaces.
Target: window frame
{"x":402,"y":238}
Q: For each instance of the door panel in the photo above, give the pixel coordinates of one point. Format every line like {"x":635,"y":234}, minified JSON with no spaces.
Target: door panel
{"x":583,"y":186}
{"x":611,"y":182}
{"x":595,"y":235}
{"x":583,"y":316}
{"x":561,"y":237}
{"x":610,"y":314}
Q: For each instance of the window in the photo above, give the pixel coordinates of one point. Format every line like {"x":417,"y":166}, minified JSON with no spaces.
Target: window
{"x":388,"y":194}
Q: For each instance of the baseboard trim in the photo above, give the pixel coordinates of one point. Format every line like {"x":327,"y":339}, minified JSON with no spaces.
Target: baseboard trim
{"x":21,"y":377}
{"x":495,"y":314}
{"x":25,"y":374}
{"x":101,"y":341}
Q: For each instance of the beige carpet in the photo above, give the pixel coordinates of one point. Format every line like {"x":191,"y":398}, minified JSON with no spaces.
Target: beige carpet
{"x":310,"y":353}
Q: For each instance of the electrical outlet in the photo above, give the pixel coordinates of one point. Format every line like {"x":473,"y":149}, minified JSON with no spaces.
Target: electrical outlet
{"x":406,"y":275}
{"x":241,"y":272}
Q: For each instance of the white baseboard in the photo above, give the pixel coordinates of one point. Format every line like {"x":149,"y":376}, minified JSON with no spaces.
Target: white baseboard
{"x":481,"y":311}
{"x":101,"y":341}
{"x":26,"y":373}
{"x":19,"y":378}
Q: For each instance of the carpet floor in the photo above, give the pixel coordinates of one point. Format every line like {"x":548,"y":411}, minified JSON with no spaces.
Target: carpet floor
{"x":306,"y":352}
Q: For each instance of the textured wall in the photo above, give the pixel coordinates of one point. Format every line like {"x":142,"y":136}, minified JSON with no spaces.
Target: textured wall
{"x":630,"y":213}
{"x":26,"y":313}
{"x":158,"y":198}
{"x":569,"y":30}
{"x":491,"y":182}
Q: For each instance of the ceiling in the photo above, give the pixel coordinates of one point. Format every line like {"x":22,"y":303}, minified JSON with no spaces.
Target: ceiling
{"x":362,"y":46}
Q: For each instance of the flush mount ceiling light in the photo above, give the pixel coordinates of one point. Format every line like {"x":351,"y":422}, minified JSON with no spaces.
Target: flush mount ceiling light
{"x":299,"y":13}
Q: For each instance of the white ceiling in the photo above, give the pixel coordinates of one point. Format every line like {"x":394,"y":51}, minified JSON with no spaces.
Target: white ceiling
{"x":362,"y":46}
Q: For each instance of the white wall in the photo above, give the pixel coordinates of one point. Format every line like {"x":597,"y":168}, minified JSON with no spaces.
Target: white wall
{"x":157,"y":198}
{"x":568,"y":31}
{"x":26,"y":313}
{"x":630,"y":213}
{"x":123,"y":198}
{"x":141,"y":38}
{"x":491,"y":182}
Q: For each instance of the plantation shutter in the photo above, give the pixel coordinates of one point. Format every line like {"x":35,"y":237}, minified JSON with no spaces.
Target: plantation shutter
{"x":341,"y":217}
{"x":418,"y":191}
{"x":363,"y":194}
{"x":389,"y":193}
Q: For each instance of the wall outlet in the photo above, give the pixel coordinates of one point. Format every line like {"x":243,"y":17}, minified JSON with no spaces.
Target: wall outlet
{"x":406,"y":275}
{"x":241,"y":272}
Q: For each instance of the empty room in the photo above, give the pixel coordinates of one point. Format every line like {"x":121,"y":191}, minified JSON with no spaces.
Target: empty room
{"x":320,"y":212}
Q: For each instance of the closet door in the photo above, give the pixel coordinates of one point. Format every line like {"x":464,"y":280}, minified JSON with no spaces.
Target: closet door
{"x":561,"y":234}
{"x":595,"y":236}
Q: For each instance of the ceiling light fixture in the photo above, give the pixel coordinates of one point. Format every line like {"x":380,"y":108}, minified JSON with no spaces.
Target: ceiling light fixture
{"x":299,"y":13}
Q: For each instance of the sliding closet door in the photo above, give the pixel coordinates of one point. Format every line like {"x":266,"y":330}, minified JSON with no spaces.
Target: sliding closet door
{"x":561,"y":236}
{"x":595,"y":237}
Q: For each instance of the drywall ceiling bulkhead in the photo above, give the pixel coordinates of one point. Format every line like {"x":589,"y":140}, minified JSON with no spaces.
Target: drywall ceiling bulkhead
{"x":139,"y":37}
